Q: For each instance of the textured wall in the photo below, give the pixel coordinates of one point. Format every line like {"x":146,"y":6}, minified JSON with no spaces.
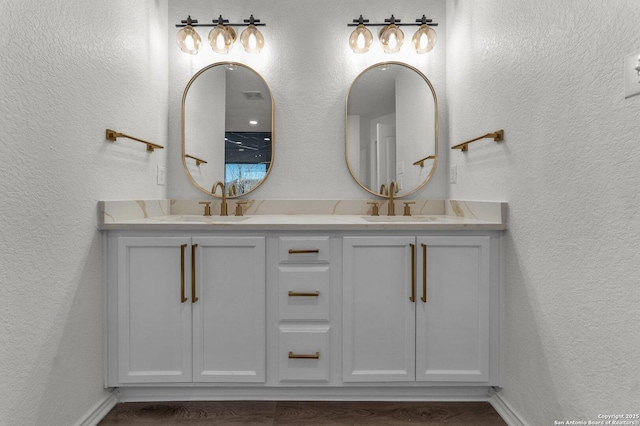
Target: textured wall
{"x":550,"y":74}
{"x":69,"y":69}
{"x":309,"y":67}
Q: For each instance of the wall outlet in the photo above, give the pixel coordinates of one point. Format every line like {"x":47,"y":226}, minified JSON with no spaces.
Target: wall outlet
{"x":162,"y":175}
{"x":453,"y":174}
{"x":632,"y":74}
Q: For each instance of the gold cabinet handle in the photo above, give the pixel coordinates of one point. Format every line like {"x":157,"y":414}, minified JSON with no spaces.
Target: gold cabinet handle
{"x":424,"y":273}
{"x":182,"y":296}
{"x":413,"y":273}
{"x":296,"y":294}
{"x":292,"y":251}
{"x":194,"y":298}
{"x":304,"y":356}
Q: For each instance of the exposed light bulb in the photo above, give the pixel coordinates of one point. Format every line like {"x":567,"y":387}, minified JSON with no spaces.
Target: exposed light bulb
{"x":391,"y":38}
{"x":360,"y":39}
{"x":221,"y":38}
{"x":188,"y":40}
{"x":424,"y":39}
{"x":252,"y":40}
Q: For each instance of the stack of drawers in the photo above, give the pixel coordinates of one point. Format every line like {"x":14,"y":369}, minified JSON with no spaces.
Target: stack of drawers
{"x":304,"y":307}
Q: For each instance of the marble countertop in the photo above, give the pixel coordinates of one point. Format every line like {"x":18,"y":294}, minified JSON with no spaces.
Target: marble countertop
{"x":283,"y":215}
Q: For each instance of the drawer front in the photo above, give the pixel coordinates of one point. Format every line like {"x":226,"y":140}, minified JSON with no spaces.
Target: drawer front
{"x":306,"y":250}
{"x":304,"y":354}
{"x":303,"y":293}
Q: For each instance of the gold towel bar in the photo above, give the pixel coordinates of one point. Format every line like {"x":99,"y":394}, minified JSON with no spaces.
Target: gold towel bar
{"x":112,"y":135}
{"x":497,"y":137}
{"x":421,"y":162}
{"x":198,"y":160}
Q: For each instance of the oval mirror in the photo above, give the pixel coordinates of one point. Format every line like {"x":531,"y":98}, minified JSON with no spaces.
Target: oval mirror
{"x":392,"y":129}
{"x":227,"y":128}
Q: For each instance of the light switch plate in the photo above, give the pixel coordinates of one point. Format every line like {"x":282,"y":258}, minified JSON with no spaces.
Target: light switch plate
{"x":632,"y":74}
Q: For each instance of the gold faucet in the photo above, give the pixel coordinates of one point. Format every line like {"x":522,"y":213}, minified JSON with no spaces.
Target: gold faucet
{"x":232,"y":190}
{"x":223,"y":206}
{"x":393,"y":189}
{"x":384,"y":190}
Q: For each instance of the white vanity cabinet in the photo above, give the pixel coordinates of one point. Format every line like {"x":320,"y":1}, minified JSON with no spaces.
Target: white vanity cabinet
{"x":417,"y":309}
{"x":185,"y":309}
{"x":313,"y":314}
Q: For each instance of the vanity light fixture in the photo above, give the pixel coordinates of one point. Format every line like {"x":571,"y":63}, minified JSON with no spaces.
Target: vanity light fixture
{"x":391,"y":36}
{"x":361,"y":38}
{"x":222,"y":36}
{"x":188,"y":39}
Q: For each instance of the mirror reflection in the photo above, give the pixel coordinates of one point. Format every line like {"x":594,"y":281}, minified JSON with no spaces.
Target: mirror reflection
{"x":227,"y":128}
{"x":392,"y":129}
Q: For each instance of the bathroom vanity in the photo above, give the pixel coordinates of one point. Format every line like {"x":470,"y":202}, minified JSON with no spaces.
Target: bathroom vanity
{"x":331,"y":305}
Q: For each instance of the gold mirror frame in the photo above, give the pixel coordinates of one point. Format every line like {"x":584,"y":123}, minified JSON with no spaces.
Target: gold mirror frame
{"x":346,"y":146}
{"x":182,"y":129}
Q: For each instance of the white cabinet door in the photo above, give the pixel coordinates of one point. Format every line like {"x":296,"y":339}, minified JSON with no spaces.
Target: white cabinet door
{"x":154,"y":321}
{"x":378,"y":315}
{"x":452,"y":325}
{"x":229,"y":314}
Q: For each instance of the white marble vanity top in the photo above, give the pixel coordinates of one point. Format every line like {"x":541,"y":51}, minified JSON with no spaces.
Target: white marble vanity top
{"x":322,"y":215}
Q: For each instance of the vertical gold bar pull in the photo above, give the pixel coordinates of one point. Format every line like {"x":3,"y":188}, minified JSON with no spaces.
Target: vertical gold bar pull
{"x":303,"y":356}
{"x":182,"y":296}
{"x":424,"y":273}
{"x":194,"y":298}
{"x":413,"y":273}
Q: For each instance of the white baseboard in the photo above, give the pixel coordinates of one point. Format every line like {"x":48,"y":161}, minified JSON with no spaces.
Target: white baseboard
{"x":98,"y":411}
{"x":506,"y":412}
{"x":155,"y":393}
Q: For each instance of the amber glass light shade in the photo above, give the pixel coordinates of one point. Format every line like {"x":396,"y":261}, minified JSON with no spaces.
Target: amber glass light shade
{"x":360,"y":39}
{"x":252,"y":40}
{"x":391,"y":38}
{"x":221,"y":38}
{"x":424,"y":39}
{"x":189,"y":40}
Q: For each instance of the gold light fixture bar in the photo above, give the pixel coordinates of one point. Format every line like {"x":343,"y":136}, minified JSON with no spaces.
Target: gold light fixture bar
{"x":421,"y":161}
{"x":198,"y":160}
{"x":112,"y":135}
{"x":497,"y":137}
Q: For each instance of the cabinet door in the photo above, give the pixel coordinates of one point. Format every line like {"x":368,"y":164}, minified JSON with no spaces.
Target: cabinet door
{"x":452,"y":331}
{"x":154,"y":325}
{"x":379,"y":318}
{"x":229,"y":315}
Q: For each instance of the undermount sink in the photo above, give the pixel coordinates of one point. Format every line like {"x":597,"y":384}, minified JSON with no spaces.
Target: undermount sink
{"x":199,"y":218}
{"x":397,"y":218}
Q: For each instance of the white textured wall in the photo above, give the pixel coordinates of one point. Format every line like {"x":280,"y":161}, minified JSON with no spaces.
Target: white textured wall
{"x":69,"y":70}
{"x":550,"y":74}
{"x":309,"y":68}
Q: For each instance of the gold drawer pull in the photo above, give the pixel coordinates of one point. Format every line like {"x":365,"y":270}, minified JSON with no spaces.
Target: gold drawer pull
{"x":295,"y":294}
{"x":293,"y":251}
{"x":182,"y":296}
{"x":302,"y":356}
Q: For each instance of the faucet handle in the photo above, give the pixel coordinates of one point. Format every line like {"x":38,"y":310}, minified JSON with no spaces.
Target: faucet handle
{"x":374,"y":208}
{"x":239,"y":205}
{"x":407,"y":207}
{"x":207,"y":207}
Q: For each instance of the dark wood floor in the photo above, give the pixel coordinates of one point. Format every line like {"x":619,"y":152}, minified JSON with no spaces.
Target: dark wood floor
{"x":303,"y":413}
